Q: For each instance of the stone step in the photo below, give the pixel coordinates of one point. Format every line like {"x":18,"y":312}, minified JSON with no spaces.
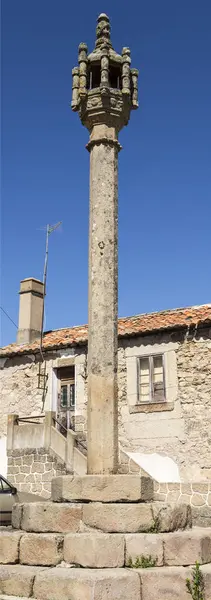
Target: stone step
{"x":17,"y":580}
{"x":180,"y":548}
{"x":169,"y":583}
{"x":99,"y":551}
{"x":41,"y":517}
{"x":135,"y":518}
{"x":57,"y":583}
{"x":102,"y":550}
{"x":9,"y":546}
{"x":102,"y":488}
{"x":111,"y":518}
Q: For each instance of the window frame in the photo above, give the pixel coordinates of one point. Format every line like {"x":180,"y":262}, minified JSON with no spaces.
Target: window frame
{"x":68,"y":381}
{"x":150,"y":358}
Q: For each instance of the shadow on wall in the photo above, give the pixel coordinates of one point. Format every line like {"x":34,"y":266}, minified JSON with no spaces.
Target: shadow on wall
{"x":3,"y":456}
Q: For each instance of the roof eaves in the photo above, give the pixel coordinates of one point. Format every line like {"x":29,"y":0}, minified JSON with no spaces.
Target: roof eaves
{"x":126,"y":334}
{"x":163,"y":328}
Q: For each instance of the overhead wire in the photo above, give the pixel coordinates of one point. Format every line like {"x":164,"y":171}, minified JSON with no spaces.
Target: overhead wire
{"x":5,"y":312}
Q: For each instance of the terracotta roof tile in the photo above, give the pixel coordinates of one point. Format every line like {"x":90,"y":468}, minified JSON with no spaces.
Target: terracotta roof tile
{"x":128,"y":326}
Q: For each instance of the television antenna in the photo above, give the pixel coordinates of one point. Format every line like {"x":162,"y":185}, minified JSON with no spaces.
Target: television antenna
{"x":49,"y":230}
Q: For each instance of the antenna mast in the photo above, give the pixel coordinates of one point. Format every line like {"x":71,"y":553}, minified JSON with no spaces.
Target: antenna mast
{"x":49,"y":229}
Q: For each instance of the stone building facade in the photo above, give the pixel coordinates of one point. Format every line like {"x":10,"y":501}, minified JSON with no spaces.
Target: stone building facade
{"x":32,"y":470}
{"x":169,"y":415}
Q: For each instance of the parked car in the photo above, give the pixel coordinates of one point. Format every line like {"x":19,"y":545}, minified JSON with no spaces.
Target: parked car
{"x":9,"y":495}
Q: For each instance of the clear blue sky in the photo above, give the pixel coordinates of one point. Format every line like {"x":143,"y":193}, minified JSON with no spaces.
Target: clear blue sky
{"x":164,"y":168}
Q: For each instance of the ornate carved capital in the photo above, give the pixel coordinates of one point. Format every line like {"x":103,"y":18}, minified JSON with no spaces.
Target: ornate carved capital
{"x":105,"y":88}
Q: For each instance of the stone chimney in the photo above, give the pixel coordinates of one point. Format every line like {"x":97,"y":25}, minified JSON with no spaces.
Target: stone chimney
{"x":30,"y":310}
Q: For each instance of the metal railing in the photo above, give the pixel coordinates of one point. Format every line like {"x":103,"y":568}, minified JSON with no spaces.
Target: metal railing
{"x":60,"y":424}
{"x":35,"y":419}
{"x":30,"y":419}
{"x":77,"y":442}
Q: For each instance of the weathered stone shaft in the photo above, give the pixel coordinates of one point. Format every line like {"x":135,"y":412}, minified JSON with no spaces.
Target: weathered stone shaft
{"x":103,"y":302}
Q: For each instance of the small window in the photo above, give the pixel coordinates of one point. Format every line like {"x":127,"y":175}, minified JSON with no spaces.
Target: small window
{"x":114,"y":77}
{"x":67,"y":387}
{"x":64,"y":395}
{"x":151,"y":379}
{"x":94,"y":76}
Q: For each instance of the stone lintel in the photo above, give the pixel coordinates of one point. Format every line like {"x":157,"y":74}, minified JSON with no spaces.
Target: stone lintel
{"x":67,"y":361}
{"x":102,"y":488}
{"x":151,"y":407}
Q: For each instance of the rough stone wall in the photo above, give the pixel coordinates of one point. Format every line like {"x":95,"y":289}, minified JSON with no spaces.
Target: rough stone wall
{"x":19,"y":391}
{"x":184,"y":433}
{"x":193,"y":493}
{"x":32,"y":470}
{"x":197,"y":494}
{"x":194,"y":376}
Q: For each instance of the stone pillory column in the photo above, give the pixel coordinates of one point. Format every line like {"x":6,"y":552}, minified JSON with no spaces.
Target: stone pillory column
{"x":104,"y":92}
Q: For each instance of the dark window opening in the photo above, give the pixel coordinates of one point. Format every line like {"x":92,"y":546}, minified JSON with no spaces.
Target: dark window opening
{"x":94,"y":77}
{"x":67,"y":389}
{"x":115,"y":81}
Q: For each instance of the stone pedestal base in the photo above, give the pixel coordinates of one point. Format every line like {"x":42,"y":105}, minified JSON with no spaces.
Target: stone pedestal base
{"x":102,"y":488}
{"x":95,"y":540}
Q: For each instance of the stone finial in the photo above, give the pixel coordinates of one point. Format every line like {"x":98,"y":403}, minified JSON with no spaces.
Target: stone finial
{"x":103,"y":30}
{"x":134,"y":75}
{"x":82,"y":51}
{"x":126,"y":52}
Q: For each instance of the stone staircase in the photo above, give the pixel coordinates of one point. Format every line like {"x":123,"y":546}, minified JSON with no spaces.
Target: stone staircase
{"x":85,"y":542}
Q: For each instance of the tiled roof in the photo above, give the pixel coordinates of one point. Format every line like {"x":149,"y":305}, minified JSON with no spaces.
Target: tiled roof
{"x":128,"y":326}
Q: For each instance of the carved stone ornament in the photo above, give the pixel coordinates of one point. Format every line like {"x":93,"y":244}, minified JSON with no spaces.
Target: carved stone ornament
{"x":105,"y":88}
{"x":103,"y":29}
{"x":92,"y":102}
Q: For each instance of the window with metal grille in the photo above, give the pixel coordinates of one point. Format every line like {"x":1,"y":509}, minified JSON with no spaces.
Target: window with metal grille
{"x":151,"y":379}
{"x":67,"y":387}
{"x":94,"y":76}
{"x":115,"y":80}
